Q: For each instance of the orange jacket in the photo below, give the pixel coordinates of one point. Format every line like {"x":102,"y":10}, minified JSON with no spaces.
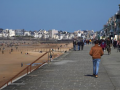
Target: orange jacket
{"x":96,"y":52}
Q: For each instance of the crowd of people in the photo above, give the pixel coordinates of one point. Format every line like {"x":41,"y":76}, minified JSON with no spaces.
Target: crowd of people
{"x":79,"y":43}
{"x":105,"y":44}
{"x":98,"y":50}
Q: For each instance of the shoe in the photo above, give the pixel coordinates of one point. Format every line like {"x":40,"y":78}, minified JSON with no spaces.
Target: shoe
{"x":96,"y":76}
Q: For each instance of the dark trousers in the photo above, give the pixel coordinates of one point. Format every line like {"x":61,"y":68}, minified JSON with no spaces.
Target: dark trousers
{"x":82,"y":47}
{"x":103,"y":49}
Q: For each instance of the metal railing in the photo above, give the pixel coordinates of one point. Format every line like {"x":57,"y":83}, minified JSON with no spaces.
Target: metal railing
{"x":26,"y":70}
{"x":29,"y":68}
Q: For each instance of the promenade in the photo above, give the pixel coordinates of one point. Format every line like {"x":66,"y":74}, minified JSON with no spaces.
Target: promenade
{"x":73,"y":71}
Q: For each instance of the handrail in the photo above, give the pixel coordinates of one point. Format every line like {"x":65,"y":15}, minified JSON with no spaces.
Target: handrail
{"x":24,"y":69}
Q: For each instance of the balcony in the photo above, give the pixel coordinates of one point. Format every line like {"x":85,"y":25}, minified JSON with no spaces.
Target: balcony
{"x":118,"y":20}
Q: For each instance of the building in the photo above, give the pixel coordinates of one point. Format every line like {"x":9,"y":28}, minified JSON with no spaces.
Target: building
{"x":27,"y":33}
{"x":11,"y":33}
{"x":52,"y":33}
{"x":19,"y":32}
{"x":1,"y":32}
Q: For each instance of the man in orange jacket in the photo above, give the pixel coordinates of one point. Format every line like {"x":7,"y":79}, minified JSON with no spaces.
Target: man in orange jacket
{"x":96,"y":52}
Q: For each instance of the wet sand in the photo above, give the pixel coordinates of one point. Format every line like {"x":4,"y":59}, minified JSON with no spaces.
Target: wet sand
{"x":24,"y":53}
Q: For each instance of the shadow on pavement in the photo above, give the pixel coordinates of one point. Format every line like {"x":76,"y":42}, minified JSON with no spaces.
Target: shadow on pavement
{"x":89,"y":75}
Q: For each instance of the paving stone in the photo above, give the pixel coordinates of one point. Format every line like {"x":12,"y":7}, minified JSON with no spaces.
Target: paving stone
{"x":73,"y":71}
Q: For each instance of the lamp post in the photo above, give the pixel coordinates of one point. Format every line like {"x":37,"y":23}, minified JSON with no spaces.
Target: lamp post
{"x":118,"y":21}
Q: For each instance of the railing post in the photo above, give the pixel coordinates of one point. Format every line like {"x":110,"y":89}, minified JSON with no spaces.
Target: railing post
{"x":30,"y":68}
{"x":50,"y":56}
{"x":27,"y":70}
{"x":23,"y":70}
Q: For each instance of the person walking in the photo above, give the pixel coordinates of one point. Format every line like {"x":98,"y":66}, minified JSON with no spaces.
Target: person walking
{"x":118,"y":45}
{"x":114,"y":43}
{"x":96,"y":52}
{"x":74,"y":44}
{"x":82,"y":44}
{"x":108,"y":46}
{"x":103,"y":45}
{"x":79,"y":45}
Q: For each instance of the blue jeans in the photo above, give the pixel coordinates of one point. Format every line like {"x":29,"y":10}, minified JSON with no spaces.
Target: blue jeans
{"x":74,"y":47}
{"x":96,"y":66}
{"x":78,"y":47}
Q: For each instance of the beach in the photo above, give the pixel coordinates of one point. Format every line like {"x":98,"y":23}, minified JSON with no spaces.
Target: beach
{"x":17,"y":55}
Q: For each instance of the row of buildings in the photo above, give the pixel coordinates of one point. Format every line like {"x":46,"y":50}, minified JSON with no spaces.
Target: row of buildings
{"x":85,"y":34}
{"x":50,"y":34}
{"x":112,"y":28}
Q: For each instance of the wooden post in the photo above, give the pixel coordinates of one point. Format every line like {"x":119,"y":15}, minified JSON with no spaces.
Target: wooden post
{"x":30,"y":68}
{"x":27,"y":70}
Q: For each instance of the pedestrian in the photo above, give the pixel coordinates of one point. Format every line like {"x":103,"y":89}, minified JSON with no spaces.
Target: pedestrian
{"x":96,"y":52}
{"x":85,"y":42}
{"x":108,"y":42}
{"x":114,"y":43}
{"x":79,"y":44}
{"x":82,"y":44}
{"x":74,"y":44}
{"x":118,"y":45}
{"x":50,"y":57}
{"x":88,"y":42}
{"x":2,"y":52}
{"x":103,"y":45}
{"x":108,"y":46}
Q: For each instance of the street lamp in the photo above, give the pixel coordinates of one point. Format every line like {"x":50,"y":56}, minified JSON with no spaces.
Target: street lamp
{"x":118,"y":21}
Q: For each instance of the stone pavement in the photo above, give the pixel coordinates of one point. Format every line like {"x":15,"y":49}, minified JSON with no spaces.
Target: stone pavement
{"x":73,"y":71}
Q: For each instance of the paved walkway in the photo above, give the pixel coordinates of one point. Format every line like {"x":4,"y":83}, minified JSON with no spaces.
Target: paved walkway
{"x":73,"y":71}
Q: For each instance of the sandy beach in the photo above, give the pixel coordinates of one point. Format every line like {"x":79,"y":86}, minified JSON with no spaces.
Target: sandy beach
{"x":16,"y":55}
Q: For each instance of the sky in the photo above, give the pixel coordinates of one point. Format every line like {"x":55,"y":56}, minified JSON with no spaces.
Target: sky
{"x":66,"y":15}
